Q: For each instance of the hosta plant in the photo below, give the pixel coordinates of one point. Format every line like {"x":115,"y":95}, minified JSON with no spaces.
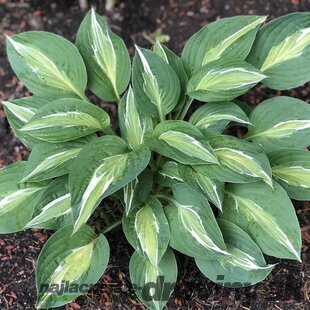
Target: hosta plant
{"x":174,"y":180}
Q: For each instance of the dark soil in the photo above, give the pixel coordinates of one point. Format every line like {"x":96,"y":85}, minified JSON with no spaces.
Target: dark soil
{"x":288,"y":287}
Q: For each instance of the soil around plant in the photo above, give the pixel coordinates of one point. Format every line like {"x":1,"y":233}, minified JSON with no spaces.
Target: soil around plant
{"x":287,"y":287}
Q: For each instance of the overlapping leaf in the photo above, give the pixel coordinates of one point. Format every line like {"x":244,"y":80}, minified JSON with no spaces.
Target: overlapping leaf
{"x":168,"y":175}
{"x":267,"y":215}
{"x":65,"y":120}
{"x":280,"y":122}
{"x":48,"y":64}
{"x":223,"y":80}
{"x":106,"y":57}
{"x":291,"y":168}
{"x":282,"y":51}
{"x":243,"y":267}
{"x":101,"y":168}
{"x":226,"y":38}
{"x":73,"y":259}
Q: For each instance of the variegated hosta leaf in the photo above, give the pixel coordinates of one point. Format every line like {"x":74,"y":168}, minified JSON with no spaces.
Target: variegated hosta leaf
{"x":48,"y":64}
{"x":280,"y":122}
{"x":53,"y":208}
{"x":72,"y":259}
{"x":101,"y":168}
{"x":282,"y":51}
{"x":226,"y":38}
{"x":65,"y":120}
{"x":182,"y":142}
{"x":240,"y":161}
{"x":267,"y":215}
{"x":153,"y":285}
{"x":147,"y":230}
{"x":155,"y":84}
{"x":244,"y":266}
{"x":168,"y":175}
{"x":223,"y":80}
{"x":50,"y":160}
{"x":193,"y":228}
{"x":136,"y":191}
{"x":177,"y":65}
{"x":213,"y":117}
{"x":134,"y":126}
{"x":291,"y":168}
{"x":106,"y":57}
{"x":213,"y":190}
{"x":17,"y":200}
{"x":19,"y":112}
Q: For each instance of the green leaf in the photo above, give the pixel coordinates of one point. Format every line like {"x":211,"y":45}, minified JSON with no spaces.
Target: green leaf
{"x":280,"y":122}
{"x":223,"y":80}
{"x":19,"y":112}
{"x":134,"y":126}
{"x":282,"y":51}
{"x":193,"y":228}
{"x":106,"y":57}
{"x":213,"y":190}
{"x":50,"y":160}
{"x":244,"y":266}
{"x":226,"y":38}
{"x":176,"y":64}
{"x":72,"y":260}
{"x":17,"y":200}
{"x":240,"y":161}
{"x":291,"y":168}
{"x":155,"y":84}
{"x":267,"y":215}
{"x":214,"y":117}
{"x":153,"y":285}
{"x":101,"y":168}
{"x":53,"y":208}
{"x":48,"y":64}
{"x":168,"y":175}
{"x":65,"y":120}
{"x":182,"y":142}
{"x":147,"y":230}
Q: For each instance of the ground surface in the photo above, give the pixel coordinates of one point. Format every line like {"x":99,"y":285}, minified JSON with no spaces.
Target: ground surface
{"x":288,"y":285}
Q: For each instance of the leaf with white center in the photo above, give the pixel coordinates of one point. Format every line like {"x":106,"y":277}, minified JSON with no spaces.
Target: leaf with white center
{"x":267,"y":215}
{"x":213,"y":190}
{"x":65,"y":120}
{"x":193,"y":228}
{"x":134,"y":126}
{"x":214,"y":117}
{"x":223,"y":80}
{"x":155,"y":84}
{"x":280,"y":122}
{"x":110,"y":166}
{"x":78,"y":260}
{"x":53,"y":208}
{"x":240,"y":161}
{"x":153,"y":285}
{"x":182,"y":142}
{"x":106,"y":57}
{"x":147,"y":230}
{"x":17,"y":200}
{"x":50,"y":160}
{"x":168,"y":175}
{"x":49,"y":65}
{"x":226,"y":38}
{"x":282,"y":51}
{"x":291,"y":168}
{"x":19,"y":112}
{"x":176,"y":64}
{"x":244,"y":266}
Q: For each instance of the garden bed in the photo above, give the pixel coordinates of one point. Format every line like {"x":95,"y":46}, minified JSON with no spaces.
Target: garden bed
{"x":288,"y":285}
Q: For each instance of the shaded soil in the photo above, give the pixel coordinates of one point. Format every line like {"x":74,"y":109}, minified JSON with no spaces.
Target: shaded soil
{"x":288,"y":285}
